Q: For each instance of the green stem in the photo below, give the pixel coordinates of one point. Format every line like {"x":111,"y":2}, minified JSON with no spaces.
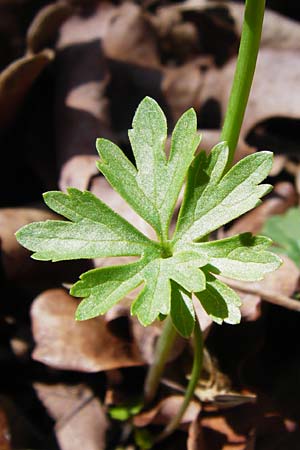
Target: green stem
{"x":246,"y":62}
{"x":162,"y":350}
{"x":196,"y":371}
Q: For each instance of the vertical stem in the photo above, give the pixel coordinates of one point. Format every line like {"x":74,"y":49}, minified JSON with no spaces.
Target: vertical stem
{"x":196,"y":371}
{"x":246,"y":62}
{"x":163,"y":347}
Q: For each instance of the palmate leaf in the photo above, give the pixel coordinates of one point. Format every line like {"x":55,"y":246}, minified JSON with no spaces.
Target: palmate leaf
{"x":170,"y":270}
{"x":151,"y":188}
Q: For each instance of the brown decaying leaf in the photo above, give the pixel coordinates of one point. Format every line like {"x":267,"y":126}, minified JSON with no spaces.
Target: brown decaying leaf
{"x":275,"y":288}
{"x":16,"y":80}
{"x":182,"y":86}
{"x":165,"y":410}
{"x":279,"y":32}
{"x":87,"y":346}
{"x":19,"y":431}
{"x":276,"y":69}
{"x":80,"y":420}
{"x":78,"y":171}
{"x":131,"y":38}
{"x":81,"y":108}
{"x":15,"y":259}
{"x":46,"y":24}
{"x":195,"y":439}
{"x":5,"y":438}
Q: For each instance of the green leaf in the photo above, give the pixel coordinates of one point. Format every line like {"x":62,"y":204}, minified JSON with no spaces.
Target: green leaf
{"x":143,"y":438}
{"x":242,"y":257}
{"x":285,"y":232}
{"x":168,"y":271}
{"x":103,"y":288}
{"x":125,"y":411}
{"x":220,"y":302}
{"x":152,"y":197}
{"x":182,"y":311}
{"x":96,"y":230}
{"x":223,"y":200}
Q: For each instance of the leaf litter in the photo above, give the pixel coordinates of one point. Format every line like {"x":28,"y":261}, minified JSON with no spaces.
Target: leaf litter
{"x":85,"y":97}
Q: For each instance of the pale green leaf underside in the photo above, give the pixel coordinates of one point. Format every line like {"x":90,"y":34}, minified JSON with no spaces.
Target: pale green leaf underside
{"x":170,"y":270}
{"x":210,"y":201}
{"x":151,"y":188}
{"x":95,"y":231}
{"x":104,"y":287}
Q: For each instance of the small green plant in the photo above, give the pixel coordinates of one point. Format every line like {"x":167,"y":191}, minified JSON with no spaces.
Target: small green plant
{"x":173,"y":267}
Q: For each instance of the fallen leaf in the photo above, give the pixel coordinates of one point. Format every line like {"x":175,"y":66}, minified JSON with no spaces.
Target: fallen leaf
{"x":195,"y":439}
{"x":46,"y":24}
{"x":275,"y":70}
{"x":80,"y":420}
{"x":19,"y":431}
{"x":165,"y":410}
{"x":5,"y":437}
{"x":15,"y":259}
{"x":278,"y":31}
{"x":81,"y":105}
{"x":130,"y":37}
{"x":78,"y":172}
{"x":181,"y":87}
{"x":16,"y":81}
{"x":87,"y":346}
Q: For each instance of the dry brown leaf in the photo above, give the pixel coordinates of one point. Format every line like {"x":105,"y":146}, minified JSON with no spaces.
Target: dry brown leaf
{"x":46,"y":24}
{"x":78,"y":171}
{"x":80,"y":418}
{"x":251,"y":306}
{"x":16,"y":80}
{"x":87,"y":346}
{"x":276,"y":69}
{"x":283,"y":282}
{"x":5,"y":437}
{"x":195,"y":439}
{"x":220,"y":435}
{"x":15,"y":258}
{"x":130,"y":37}
{"x":181,"y":87}
{"x":278,"y":32}
{"x":165,"y":410}
{"x":81,"y":107}
{"x":19,"y":431}
{"x":79,"y":29}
